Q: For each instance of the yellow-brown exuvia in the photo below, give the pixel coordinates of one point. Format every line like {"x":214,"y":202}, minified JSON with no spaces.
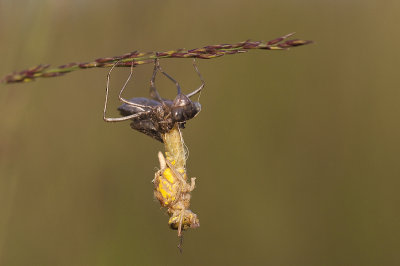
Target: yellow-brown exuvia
{"x":173,"y":192}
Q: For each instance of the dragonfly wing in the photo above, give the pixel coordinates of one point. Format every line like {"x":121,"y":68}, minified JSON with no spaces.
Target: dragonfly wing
{"x":127,"y":109}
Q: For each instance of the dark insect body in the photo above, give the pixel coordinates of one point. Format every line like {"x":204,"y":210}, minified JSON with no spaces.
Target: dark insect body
{"x":157,"y":116}
{"x":160,"y":119}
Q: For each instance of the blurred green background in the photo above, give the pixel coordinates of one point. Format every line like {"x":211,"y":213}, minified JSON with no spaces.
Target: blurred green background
{"x":296,"y":153}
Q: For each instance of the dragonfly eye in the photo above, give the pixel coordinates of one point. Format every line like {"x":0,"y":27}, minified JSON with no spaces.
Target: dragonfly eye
{"x":184,"y":109}
{"x":197,"y":107}
{"x":186,"y":112}
{"x":178,"y":115}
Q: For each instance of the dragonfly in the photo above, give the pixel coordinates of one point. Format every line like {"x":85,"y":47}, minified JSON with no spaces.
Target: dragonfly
{"x":155,"y":116}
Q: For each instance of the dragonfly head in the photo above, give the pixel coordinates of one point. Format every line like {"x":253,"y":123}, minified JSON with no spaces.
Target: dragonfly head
{"x":184,"y":109}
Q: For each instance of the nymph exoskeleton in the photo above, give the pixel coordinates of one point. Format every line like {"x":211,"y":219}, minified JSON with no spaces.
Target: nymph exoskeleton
{"x":173,"y":192}
{"x":156,"y":116}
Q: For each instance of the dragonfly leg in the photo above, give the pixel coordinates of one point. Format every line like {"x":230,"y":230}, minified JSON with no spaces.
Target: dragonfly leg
{"x":201,"y":78}
{"x":153,"y":90}
{"x":123,"y":88}
{"x":109,"y":119}
{"x":168,"y":76}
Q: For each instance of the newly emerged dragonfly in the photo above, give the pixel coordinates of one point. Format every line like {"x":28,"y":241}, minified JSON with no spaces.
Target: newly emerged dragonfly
{"x":156,"y":116}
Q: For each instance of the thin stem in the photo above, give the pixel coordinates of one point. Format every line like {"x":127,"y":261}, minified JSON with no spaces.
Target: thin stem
{"x":137,"y":58}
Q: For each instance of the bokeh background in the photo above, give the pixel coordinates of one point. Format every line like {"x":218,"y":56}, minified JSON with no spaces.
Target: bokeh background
{"x":296,"y":153}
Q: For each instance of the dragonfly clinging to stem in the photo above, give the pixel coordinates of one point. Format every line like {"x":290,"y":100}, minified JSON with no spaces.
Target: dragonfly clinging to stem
{"x":156,"y":116}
